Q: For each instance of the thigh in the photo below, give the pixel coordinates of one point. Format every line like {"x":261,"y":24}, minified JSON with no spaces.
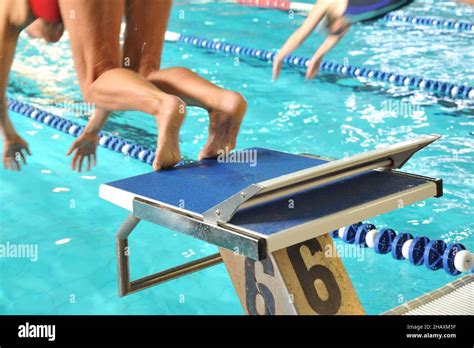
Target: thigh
{"x":94,"y":30}
{"x":145,"y":34}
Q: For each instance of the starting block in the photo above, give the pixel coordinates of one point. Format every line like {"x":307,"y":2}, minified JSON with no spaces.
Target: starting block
{"x":271,"y":218}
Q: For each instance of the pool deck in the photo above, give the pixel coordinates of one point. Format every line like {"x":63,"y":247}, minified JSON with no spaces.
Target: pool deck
{"x":455,"y":298}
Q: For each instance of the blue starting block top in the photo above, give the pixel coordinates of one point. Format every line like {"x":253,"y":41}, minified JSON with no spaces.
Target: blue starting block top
{"x":193,"y":189}
{"x":199,"y":186}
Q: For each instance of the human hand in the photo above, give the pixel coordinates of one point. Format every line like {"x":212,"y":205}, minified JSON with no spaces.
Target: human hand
{"x":313,"y":67}
{"x":277,"y":66}
{"x":84,"y":148}
{"x":13,"y":152}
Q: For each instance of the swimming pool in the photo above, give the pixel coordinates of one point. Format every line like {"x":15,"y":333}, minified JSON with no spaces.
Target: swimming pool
{"x":59,"y":211}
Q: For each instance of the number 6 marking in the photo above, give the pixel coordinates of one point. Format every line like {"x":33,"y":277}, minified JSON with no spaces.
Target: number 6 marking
{"x":307,"y":277}
{"x":254,"y":288}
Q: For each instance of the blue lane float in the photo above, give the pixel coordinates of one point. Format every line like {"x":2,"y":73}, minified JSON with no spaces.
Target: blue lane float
{"x":397,"y":245}
{"x":440,"y":88}
{"x":416,"y":250}
{"x":349,"y":233}
{"x":434,"y":22}
{"x":383,"y":241}
{"x":449,"y":257}
{"x":361,"y":233}
{"x":106,"y":140}
{"x":434,"y":254}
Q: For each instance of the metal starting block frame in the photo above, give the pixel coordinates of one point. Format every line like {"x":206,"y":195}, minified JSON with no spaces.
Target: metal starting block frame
{"x":271,"y":220}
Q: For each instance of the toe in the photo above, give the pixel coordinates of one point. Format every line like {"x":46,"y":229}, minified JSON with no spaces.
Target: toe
{"x":156,"y":165}
{"x":202,"y":155}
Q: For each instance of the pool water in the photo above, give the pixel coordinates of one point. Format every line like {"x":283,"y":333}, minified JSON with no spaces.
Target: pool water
{"x":59,"y":211}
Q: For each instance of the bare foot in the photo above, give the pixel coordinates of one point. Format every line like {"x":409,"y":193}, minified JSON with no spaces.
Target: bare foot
{"x":224,"y":125}
{"x":169,"y":120}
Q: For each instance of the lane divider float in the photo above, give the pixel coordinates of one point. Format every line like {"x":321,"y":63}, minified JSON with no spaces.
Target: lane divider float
{"x":434,"y":22}
{"x":454,"y":258}
{"x":441,"y":88}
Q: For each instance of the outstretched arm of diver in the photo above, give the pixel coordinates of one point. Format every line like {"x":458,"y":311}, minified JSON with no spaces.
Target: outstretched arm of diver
{"x":328,"y":44}
{"x":297,"y":38}
{"x":14,"y":147}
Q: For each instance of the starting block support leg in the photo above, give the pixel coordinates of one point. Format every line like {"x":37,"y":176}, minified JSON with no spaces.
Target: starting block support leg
{"x":123,"y":253}
{"x":300,"y":279}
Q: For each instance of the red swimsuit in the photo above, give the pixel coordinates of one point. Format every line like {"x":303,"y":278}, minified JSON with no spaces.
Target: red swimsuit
{"x":46,"y":9}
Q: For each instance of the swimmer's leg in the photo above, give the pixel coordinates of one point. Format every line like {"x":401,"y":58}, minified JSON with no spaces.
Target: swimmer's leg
{"x":147,"y":21}
{"x":123,"y":89}
{"x":144,"y":37}
{"x":94,"y":28}
{"x":226,"y":108}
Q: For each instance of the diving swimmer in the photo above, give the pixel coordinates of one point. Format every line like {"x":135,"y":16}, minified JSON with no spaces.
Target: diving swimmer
{"x":339,"y":15}
{"x":130,"y":78}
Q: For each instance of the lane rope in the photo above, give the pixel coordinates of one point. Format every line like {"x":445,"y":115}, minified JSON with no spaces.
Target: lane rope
{"x":434,"y":22}
{"x":344,"y":70}
{"x":454,"y":258}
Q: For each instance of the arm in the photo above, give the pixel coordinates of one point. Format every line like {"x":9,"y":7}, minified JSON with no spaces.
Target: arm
{"x":328,"y":44}
{"x":97,"y":121}
{"x":297,"y":38}
{"x":14,"y":145}
{"x":8,"y":40}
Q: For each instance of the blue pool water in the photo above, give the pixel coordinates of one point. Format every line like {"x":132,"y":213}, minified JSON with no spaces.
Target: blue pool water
{"x":59,"y":211}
